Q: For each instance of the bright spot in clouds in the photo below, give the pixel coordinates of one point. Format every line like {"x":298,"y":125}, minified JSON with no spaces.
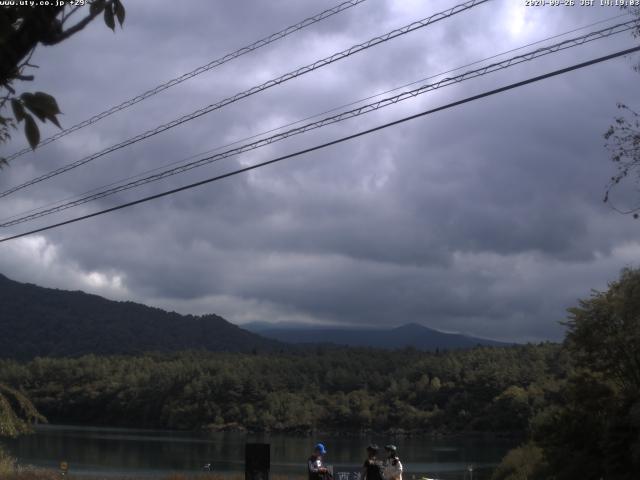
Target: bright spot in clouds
{"x":516,"y":19}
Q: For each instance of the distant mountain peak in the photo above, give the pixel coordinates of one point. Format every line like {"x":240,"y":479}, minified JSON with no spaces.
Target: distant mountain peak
{"x":413,"y":326}
{"x":408,"y":335}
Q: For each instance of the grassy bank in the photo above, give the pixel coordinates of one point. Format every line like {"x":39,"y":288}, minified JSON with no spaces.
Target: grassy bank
{"x":39,"y":474}
{"x":10,"y":470}
{"x":53,"y":475}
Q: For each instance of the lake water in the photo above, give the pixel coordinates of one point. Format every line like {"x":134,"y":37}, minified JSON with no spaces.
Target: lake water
{"x":114,"y":451}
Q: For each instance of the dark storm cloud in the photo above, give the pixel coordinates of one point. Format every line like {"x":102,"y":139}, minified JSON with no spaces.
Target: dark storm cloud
{"x":485,"y":219}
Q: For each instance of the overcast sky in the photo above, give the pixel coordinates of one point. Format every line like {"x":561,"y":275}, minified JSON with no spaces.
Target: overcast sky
{"x":485,"y":219}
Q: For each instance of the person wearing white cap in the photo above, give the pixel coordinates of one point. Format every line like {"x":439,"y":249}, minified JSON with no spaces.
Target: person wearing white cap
{"x":392,"y":464}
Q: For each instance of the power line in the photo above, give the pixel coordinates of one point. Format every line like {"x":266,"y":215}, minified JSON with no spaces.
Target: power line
{"x":290,"y":124}
{"x":204,"y":68}
{"x":385,"y":102}
{"x":256,"y":89}
{"x":333,"y":142}
{"x":343,"y":116}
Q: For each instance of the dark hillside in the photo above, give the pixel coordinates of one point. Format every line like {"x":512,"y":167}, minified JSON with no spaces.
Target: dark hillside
{"x":37,"y":321}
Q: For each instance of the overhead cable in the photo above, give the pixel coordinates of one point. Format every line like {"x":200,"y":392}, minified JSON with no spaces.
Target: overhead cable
{"x":256,"y":89}
{"x":197,"y":71}
{"x":328,"y":144}
{"x":364,"y":109}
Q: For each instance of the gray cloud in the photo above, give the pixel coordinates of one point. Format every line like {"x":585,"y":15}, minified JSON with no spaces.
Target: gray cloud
{"x":485,"y":219}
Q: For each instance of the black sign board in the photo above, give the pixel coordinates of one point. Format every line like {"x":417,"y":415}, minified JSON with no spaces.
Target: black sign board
{"x":257,"y":461}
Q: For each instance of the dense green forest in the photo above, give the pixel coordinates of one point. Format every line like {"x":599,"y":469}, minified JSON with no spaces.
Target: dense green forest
{"x":482,"y":389}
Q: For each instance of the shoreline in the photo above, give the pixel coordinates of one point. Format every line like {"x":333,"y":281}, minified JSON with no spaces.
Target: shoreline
{"x":440,"y":461}
{"x":302,"y":433}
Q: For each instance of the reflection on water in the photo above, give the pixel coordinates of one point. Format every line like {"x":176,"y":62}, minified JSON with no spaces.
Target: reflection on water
{"x":148,"y":452}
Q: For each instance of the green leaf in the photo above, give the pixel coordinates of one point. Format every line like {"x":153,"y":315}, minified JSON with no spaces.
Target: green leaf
{"x":47,"y":103}
{"x":108,"y":17}
{"x":26,"y":97}
{"x":31,"y":103}
{"x":42,"y":105}
{"x":18,"y":109}
{"x":31,"y":131}
{"x":96,"y":7}
{"x":120,"y":12}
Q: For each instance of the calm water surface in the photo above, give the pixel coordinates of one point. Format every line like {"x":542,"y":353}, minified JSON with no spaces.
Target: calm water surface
{"x":115,"y":451}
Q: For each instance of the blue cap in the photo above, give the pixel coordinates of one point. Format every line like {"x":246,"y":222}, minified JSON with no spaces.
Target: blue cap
{"x":320,"y":448}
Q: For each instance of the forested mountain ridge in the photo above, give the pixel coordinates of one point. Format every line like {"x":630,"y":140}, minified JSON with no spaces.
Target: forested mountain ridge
{"x":409,"y":335}
{"x":38,"y":321}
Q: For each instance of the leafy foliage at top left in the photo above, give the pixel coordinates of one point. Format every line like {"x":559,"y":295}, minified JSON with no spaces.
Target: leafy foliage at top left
{"x":22,"y":29}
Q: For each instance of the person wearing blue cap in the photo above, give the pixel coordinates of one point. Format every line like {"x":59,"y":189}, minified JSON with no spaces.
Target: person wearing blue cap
{"x":317,"y":470}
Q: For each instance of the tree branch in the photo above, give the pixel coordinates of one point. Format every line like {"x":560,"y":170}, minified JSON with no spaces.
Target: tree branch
{"x":80,"y":25}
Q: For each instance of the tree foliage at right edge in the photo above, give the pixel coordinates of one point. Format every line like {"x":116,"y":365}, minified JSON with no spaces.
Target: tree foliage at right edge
{"x":592,"y":430}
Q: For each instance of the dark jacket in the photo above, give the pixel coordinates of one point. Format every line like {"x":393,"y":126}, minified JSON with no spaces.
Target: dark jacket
{"x":372,"y":469}
{"x":314,"y":464}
